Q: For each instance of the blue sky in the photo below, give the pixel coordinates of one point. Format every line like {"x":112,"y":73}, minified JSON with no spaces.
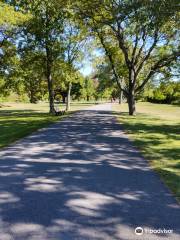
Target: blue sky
{"x":86,"y":69}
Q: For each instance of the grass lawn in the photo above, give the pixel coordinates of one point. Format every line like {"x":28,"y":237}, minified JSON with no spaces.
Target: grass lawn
{"x":155,"y":131}
{"x":17,"y":120}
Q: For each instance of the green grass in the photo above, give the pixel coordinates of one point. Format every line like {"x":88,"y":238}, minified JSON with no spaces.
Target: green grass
{"x":18,"y":120}
{"x":155,"y":132}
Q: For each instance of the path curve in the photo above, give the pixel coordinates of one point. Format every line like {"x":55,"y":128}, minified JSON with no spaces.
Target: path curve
{"x":81,"y":179}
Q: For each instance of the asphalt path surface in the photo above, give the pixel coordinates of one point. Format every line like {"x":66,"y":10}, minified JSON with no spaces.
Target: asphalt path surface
{"x":82,"y":179}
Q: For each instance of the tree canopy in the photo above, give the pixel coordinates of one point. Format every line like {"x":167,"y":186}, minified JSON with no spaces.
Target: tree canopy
{"x":43,"y":45}
{"x":145,"y":33}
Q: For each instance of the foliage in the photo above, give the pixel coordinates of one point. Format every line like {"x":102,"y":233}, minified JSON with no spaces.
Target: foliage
{"x":33,"y":75}
{"x":43,"y":33}
{"x":168,"y":92}
{"x":10,"y":18}
{"x":88,"y":89}
{"x":9,"y":68}
{"x":10,"y":21}
{"x":44,"y":43}
{"x":142,"y":33}
{"x":107,"y":88}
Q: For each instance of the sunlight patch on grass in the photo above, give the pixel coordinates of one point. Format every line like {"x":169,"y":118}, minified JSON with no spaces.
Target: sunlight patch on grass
{"x":18,"y":120}
{"x":17,"y":125}
{"x":155,"y":132}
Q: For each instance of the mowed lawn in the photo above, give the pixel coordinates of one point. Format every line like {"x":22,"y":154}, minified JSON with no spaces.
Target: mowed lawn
{"x":17,"y":120}
{"x":155,"y":131}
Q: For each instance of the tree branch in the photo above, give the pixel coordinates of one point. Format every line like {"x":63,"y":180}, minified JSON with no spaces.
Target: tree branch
{"x":158,"y":65}
{"x":122,"y":46}
{"x":149,"y":52}
{"x":134,"y":48}
{"x":109,"y":55}
{"x":142,"y":46}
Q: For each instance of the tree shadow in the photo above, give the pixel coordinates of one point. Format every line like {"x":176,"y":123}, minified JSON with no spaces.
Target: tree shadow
{"x":21,"y":113}
{"x":81,"y":179}
{"x":18,"y":124}
{"x":153,"y":131}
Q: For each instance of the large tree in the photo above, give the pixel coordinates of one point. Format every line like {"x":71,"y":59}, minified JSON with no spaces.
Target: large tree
{"x":44,"y":33}
{"x":10,"y":21}
{"x":146,"y":32}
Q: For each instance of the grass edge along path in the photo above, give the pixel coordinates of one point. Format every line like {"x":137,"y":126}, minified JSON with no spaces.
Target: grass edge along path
{"x":158,"y":141}
{"x":18,"y":120}
{"x":18,"y":127}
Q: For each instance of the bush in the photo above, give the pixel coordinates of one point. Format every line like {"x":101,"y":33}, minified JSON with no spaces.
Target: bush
{"x":167,"y":93}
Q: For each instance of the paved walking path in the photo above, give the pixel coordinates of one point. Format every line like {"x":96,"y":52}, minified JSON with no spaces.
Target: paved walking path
{"x":81,"y":179}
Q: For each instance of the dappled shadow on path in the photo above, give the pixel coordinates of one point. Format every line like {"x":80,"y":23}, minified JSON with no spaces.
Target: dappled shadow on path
{"x":81,"y":179}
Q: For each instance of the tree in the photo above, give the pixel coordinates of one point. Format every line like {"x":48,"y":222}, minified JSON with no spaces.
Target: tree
{"x":33,"y":75}
{"x":112,"y":72}
{"x":74,"y":41}
{"x":167,"y":92}
{"x":88,"y":89}
{"x":107,"y":87}
{"x":9,"y":68}
{"x":44,"y":32}
{"x":9,"y":21}
{"x":64,"y":75}
{"x":146,"y":34}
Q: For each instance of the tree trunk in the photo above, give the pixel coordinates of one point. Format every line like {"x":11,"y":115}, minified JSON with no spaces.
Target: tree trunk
{"x":51,"y":95}
{"x":120,"y":97}
{"x":49,"y":80}
{"x":32,"y":97}
{"x":131,"y":95}
{"x":63,"y":98}
{"x":68,"y":102}
{"x":131,"y":104}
